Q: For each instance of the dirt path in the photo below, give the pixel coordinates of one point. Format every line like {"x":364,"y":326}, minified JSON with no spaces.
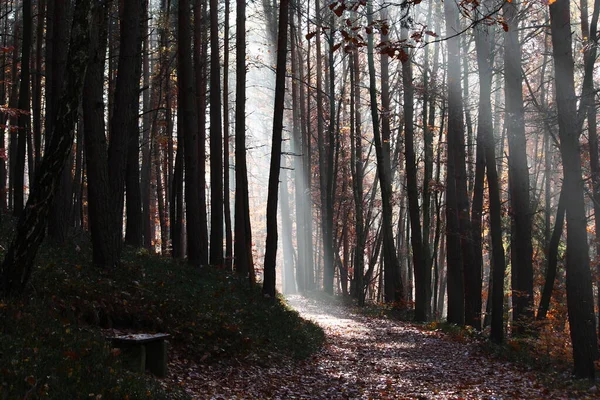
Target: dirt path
{"x":369,"y":358}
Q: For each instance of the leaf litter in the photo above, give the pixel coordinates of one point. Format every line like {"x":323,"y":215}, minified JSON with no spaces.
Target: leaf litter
{"x":366,"y":357}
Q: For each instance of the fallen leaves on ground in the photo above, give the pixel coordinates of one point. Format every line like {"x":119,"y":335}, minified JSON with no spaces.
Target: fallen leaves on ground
{"x":366,"y":357}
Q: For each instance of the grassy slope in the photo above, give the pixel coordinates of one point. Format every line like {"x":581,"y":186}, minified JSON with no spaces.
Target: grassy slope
{"x":51,"y":343}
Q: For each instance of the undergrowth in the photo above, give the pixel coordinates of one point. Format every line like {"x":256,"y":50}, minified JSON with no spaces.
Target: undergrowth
{"x":52,"y":345}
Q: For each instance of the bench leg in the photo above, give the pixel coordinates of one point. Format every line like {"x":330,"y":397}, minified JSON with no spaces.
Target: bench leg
{"x":134,"y":357}
{"x":156,"y":358}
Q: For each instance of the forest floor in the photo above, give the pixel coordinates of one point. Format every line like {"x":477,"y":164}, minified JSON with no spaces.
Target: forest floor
{"x":371,"y":357}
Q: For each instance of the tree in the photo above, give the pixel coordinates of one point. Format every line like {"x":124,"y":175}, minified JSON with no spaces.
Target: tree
{"x":271,"y":244}
{"x":226,"y":171}
{"x":521,"y":247}
{"x":455,"y":139}
{"x":18,"y":262}
{"x":244,"y":264}
{"x":133,"y":192}
{"x":580,"y":298}
{"x":57,"y":36}
{"x":106,"y":165}
{"x":422,"y":273}
{"x":393,"y":282}
{"x":324,"y":149}
{"x":200,"y":63}
{"x":216,"y":142}
{"x":188,"y":125}
{"x":23,"y":123}
{"x":485,"y":138}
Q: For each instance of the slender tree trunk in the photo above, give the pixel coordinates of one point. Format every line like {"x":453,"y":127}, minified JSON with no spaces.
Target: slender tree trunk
{"x":107,"y":166}
{"x":23,"y":122}
{"x":590,"y":50}
{"x":324,"y":148}
{"x":422,"y":274}
{"x":395,"y":290}
{"x":188,"y":125}
{"x":428,"y":163}
{"x":200,"y":64}
{"x":56,"y":51}
{"x":226,"y":172}
{"x":289,"y":284}
{"x":13,"y":103}
{"x":176,"y":203}
{"x":134,"y":224}
{"x":18,"y":262}
{"x":455,"y":139}
{"x":552,"y":259}
{"x":485,"y":134}
{"x":36,"y":85}
{"x":216,"y":142}
{"x":357,"y":177}
{"x":3,"y":116}
{"x":148,"y":214}
{"x":521,"y":246}
{"x":271,"y":244}
{"x":299,"y":156}
{"x":244,"y":264}
{"x":580,"y":298}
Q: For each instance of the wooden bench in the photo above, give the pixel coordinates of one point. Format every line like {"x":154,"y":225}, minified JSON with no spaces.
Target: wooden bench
{"x":143,"y":351}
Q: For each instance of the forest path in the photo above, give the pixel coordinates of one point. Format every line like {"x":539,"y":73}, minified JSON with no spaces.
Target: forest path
{"x":368,"y":357}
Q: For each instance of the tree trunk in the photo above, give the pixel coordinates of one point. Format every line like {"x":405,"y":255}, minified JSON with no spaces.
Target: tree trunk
{"x":485,"y":134}
{"x":23,"y":121}
{"x":200,"y":64}
{"x":133,"y":230}
{"x":216,"y":142}
{"x":323,"y":149}
{"x":521,"y":246}
{"x":299,"y":156}
{"x":580,"y":298}
{"x":226,"y":171}
{"x":422,"y":274}
{"x":148,"y":198}
{"x":107,"y":167}
{"x":18,"y":262}
{"x":244,"y":265}
{"x":552,"y":259}
{"x":188,"y":126}
{"x":395,"y":290}
{"x":357,"y":178}
{"x":455,"y":139}
{"x":271,"y":244}
{"x":36,"y":85}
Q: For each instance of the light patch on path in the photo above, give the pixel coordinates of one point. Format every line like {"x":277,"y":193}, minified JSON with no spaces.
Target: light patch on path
{"x":368,"y":358}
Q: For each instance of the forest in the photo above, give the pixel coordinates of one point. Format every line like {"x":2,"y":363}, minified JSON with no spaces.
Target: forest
{"x":436,"y":159}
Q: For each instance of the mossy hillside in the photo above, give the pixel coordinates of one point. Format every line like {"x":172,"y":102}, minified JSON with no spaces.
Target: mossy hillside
{"x":51,"y":338}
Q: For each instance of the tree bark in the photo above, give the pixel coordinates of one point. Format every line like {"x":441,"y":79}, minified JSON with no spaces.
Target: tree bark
{"x":226,"y":171}
{"x":134,"y":224}
{"x":395,"y":290}
{"x":521,"y":246}
{"x":485,"y":135}
{"x":580,"y":298}
{"x":422,"y":274}
{"x":244,"y":265}
{"x":552,"y":259}
{"x":271,"y":244}
{"x":188,"y":125}
{"x":23,"y":121}
{"x":200,"y":64}
{"x":18,"y":262}
{"x":216,"y":142}
{"x":455,"y":139}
